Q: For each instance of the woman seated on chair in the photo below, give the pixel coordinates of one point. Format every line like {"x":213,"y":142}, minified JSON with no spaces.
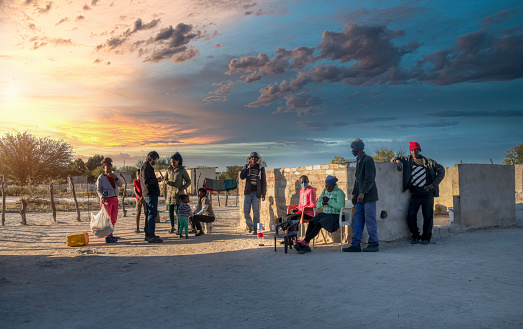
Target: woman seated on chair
{"x":307,"y":200}
{"x":332,"y":199}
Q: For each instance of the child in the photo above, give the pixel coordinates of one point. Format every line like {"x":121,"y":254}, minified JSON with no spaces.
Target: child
{"x":184,"y":212}
{"x":140,"y":202}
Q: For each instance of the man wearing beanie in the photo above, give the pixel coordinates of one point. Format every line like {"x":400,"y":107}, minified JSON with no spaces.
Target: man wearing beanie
{"x":364,"y":197}
{"x":421,"y":176}
{"x":255,"y":188}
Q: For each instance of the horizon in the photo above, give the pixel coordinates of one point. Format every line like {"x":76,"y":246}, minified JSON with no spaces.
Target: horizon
{"x":295,"y":81}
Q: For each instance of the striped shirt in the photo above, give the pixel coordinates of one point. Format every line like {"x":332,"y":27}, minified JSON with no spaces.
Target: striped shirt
{"x":418,"y":178}
{"x":184,"y":210}
{"x":254,"y":174}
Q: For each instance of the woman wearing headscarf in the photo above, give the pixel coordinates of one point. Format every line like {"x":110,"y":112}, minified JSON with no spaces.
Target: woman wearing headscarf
{"x":177,"y":180}
{"x":332,"y":199}
{"x":107,"y":189}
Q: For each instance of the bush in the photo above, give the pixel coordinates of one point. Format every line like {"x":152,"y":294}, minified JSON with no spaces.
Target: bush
{"x":31,"y":191}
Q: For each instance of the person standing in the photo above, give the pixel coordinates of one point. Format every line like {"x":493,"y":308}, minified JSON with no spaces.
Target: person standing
{"x":140,"y":202}
{"x":177,"y":180}
{"x":203,"y":212}
{"x":184,"y":212}
{"x":150,"y":192}
{"x":255,"y":188}
{"x":422,"y":177}
{"x":364,"y":197}
{"x":107,"y":189}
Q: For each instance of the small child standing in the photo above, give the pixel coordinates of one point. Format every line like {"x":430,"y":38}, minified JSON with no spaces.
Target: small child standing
{"x":184,"y":212}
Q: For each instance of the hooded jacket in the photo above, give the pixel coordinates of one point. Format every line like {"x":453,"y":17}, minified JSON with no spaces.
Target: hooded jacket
{"x":261,"y":183}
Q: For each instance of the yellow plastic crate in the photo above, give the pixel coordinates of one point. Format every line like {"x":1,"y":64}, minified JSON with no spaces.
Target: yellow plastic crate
{"x":78,"y":239}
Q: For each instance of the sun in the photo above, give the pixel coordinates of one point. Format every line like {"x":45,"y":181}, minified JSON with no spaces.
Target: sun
{"x":11,"y":92}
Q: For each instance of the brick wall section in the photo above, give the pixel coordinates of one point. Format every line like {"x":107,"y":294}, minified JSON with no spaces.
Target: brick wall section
{"x":283,"y":188}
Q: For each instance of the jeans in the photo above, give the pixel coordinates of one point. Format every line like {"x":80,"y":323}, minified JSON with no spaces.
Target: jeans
{"x":365,"y":214}
{"x":426,"y":201}
{"x":152,"y":210}
{"x":251,"y":200}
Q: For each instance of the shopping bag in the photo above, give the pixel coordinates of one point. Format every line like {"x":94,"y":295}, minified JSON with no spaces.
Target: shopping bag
{"x":101,"y":223}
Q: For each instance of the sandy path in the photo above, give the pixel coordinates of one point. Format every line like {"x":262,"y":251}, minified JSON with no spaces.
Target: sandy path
{"x":224,"y":280}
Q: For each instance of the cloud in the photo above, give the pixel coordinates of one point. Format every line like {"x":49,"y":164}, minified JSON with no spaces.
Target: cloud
{"x":80,"y":18}
{"x":383,"y":16}
{"x":477,"y":57}
{"x":86,"y":7}
{"x":315,"y":125}
{"x":435,"y":124}
{"x":63,"y":20}
{"x":225,"y":87}
{"x":215,"y":98}
{"x":501,"y":17}
{"x":45,"y":9}
{"x":476,"y":114}
{"x":218,"y":46}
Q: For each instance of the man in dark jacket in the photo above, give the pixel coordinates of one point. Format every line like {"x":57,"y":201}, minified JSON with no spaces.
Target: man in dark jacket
{"x":364,"y":197}
{"x":255,"y":188}
{"x":421,"y":176}
{"x":150,"y":192}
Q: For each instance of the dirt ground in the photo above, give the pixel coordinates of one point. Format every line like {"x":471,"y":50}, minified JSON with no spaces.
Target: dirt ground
{"x":226,"y":280}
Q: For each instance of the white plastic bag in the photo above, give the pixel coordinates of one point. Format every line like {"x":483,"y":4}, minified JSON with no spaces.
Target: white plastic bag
{"x":101,"y":223}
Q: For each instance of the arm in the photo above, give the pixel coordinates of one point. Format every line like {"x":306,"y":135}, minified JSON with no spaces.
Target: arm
{"x":340,"y":200}
{"x":244,"y":173}
{"x":99,"y":189}
{"x":187,"y":179}
{"x":370,"y":174}
{"x":202,"y":211}
{"x":149,"y":176}
{"x":117,"y":180}
{"x":440,"y":174}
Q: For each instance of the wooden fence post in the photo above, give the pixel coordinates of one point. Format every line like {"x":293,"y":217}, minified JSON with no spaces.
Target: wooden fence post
{"x":22,"y":212}
{"x":226,"y":197}
{"x":3,"y":200}
{"x":74,"y":196}
{"x":124,"y":212}
{"x":53,"y":207}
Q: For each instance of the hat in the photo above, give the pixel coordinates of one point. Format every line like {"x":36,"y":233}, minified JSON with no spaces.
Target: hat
{"x":107,"y":161}
{"x":331,"y":180}
{"x":414,"y":145}
{"x":358,"y":144}
{"x":254,"y":154}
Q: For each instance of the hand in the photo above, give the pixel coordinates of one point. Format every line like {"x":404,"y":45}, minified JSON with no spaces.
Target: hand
{"x":354,"y":199}
{"x":360,"y":197}
{"x":429,"y":187}
{"x":142,"y":200}
{"x":103,"y":201}
{"x":399,"y":165}
{"x":295,"y":210}
{"x":325,"y":200}
{"x":263,"y":197}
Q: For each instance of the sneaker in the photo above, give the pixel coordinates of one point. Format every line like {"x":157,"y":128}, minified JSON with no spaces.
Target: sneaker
{"x":187,"y":236}
{"x":110,"y":239}
{"x":155,"y":240}
{"x":199,"y":234}
{"x":304,"y":249}
{"x":147,"y":239}
{"x":137,"y":231}
{"x":352,"y":249}
{"x":371,"y":249}
{"x":414,"y":240}
{"x":297,"y":246}
{"x":425,"y":241}
{"x":250,"y":230}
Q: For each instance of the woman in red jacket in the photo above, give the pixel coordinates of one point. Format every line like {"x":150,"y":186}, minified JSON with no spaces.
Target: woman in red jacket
{"x":307,"y":199}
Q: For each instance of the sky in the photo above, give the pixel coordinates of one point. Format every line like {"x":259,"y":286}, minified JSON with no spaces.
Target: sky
{"x":295,"y":81}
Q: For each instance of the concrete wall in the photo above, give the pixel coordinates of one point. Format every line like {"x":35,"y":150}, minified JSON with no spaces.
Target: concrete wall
{"x":519,"y":182}
{"x":486,"y":196}
{"x":482,"y":196}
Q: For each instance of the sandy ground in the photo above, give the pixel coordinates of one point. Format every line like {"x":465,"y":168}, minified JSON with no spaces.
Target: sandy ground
{"x":226,"y":280}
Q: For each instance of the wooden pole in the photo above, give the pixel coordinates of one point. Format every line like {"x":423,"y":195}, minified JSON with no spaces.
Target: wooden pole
{"x":3,"y":200}
{"x":124,"y":212}
{"x":218,"y":197}
{"x":53,"y":207}
{"x":226,"y":197}
{"x":75,"y":201}
{"x":22,"y":212}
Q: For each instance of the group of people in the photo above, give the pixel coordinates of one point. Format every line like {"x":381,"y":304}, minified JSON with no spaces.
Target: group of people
{"x":147,"y":190}
{"x":421,"y":176}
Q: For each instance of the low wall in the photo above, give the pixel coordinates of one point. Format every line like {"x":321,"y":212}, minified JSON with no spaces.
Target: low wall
{"x":486,"y":196}
{"x":519,"y":182}
{"x":482,"y":196}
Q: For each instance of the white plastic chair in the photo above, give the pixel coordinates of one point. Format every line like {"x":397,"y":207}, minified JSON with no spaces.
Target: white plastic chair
{"x":347,"y":210}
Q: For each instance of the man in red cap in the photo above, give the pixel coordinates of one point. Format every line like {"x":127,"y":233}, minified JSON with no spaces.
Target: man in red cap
{"x":421,"y":176}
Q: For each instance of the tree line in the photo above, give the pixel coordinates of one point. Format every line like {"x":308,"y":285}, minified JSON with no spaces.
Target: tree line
{"x":26,"y":159}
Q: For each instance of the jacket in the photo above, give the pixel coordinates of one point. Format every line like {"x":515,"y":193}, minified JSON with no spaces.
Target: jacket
{"x":175,"y":184}
{"x":104,"y":189}
{"x":261,"y":183}
{"x":307,"y":199}
{"x":149,"y":181}
{"x":336,"y":201}
{"x":435,"y":172}
{"x":366,"y":179}
{"x":204,"y":206}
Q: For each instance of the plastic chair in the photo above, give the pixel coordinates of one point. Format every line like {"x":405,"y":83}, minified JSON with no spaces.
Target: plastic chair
{"x":287,"y":237}
{"x":348,"y":210}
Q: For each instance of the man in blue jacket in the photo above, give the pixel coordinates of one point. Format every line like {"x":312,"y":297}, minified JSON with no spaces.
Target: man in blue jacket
{"x":421,"y":176}
{"x":364,"y":197}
